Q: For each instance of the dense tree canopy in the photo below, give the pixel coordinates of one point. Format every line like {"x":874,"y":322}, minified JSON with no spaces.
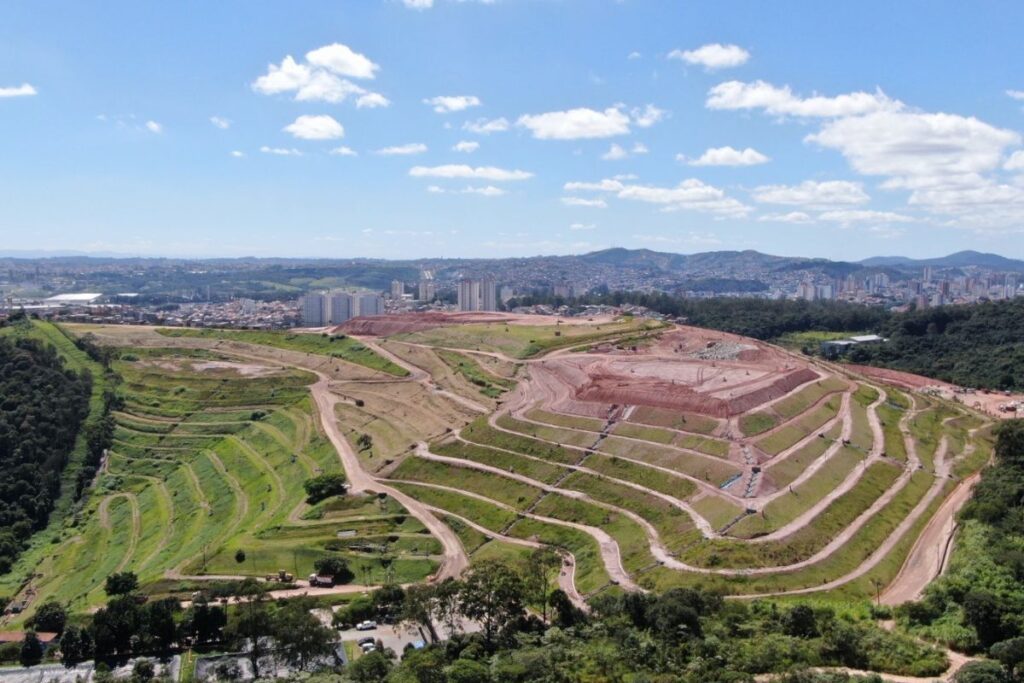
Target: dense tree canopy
{"x":42,"y":406}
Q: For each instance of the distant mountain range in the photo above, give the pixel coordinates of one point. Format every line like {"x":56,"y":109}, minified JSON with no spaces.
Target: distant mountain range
{"x":960,"y":259}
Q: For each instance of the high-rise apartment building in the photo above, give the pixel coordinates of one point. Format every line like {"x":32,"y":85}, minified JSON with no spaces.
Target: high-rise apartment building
{"x":426,"y":290}
{"x":334,"y":308}
{"x":397,"y":290}
{"x":313,"y":308}
{"x":477,"y":295}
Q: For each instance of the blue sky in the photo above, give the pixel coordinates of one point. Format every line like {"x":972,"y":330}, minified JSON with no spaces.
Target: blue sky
{"x":333,"y":128}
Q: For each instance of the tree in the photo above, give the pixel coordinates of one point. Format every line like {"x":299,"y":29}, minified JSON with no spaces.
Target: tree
{"x":204,"y":622}
{"x":564,"y":612}
{"x":333,"y":566}
{"x":467,"y":671}
{"x":158,"y":624}
{"x":370,"y":668}
{"x":239,"y":556}
{"x":425,"y":665}
{"x":50,"y":617}
{"x":324,"y":486}
{"x":980,"y":672}
{"x":75,"y":645}
{"x":1010,"y":654}
{"x":121,"y":583}
{"x":492,"y":594}
{"x":31,"y":650}
{"x":143,"y":671}
{"x":116,"y":626}
{"x":300,"y":634}
{"x":983,"y":611}
{"x":420,"y":608}
{"x":800,"y":622}
{"x":543,"y":566}
{"x":252,"y":624}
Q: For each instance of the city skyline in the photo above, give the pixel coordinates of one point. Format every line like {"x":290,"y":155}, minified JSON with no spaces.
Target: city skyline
{"x":393,"y":129}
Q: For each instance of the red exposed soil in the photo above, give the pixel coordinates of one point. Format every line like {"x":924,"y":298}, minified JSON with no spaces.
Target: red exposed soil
{"x":660,"y":394}
{"x":906,"y":380}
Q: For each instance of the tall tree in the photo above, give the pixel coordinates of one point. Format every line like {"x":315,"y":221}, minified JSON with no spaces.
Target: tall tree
{"x":492,"y":594}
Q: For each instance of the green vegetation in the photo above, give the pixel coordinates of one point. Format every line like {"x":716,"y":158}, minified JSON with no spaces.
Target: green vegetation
{"x":525,"y":341}
{"x":335,"y":346}
{"x":490,"y":385}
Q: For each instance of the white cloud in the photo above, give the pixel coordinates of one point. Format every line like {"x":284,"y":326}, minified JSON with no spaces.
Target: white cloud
{"x":445,"y":104}
{"x":403,"y":150}
{"x":237,"y":154}
{"x":418,"y":4}
{"x":154,"y":127}
{"x":648,"y":116}
{"x":342,"y":60}
{"x":1015,"y":162}
{"x":917,"y":150}
{"x":582,"y":226}
{"x":486,"y":127}
{"x":23,"y":90}
{"x":691,"y":194}
{"x":220,"y":122}
{"x":581,"y":201}
{"x":486,"y":191}
{"x":634,"y":55}
{"x":435,"y":189}
{"x":576,"y":124}
{"x":615,"y":152}
{"x":792,"y":217}
{"x":813,"y":193}
{"x":466,"y":146}
{"x":848,"y":216}
{"x":281,"y":151}
{"x":491,"y":173}
{"x":726,"y":156}
{"x":321,"y":127}
{"x":713,"y":56}
{"x":639,"y":148}
{"x":733,"y":95}
{"x":372,"y":100}
{"x":344,"y":151}
{"x":323,"y":77}
{"x":1016,"y":94}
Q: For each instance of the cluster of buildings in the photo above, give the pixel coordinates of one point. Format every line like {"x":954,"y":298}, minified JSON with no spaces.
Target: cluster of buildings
{"x":929,"y":290}
{"x":335,"y":307}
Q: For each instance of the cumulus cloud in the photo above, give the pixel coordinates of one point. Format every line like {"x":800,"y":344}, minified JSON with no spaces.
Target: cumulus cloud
{"x":1016,"y":94}
{"x":403,"y":150}
{"x":281,"y":151}
{"x":372,"y":100}
{"x":848,"y":216}
{"x":23,"y":90}
{"x":344,"y":151}
{"x":466,"y":146}
{"x":812,"y":193}
{"x":485,"y":191}
{"x":322,"y":127}
{"x":491,"y":173}
{"x":427,"y":4}
{"x":1015,"y":162}
{"x":691,"y":194}
{"x":582,"y":226}
{"x":916,"y":149}
{"x":576,"y":124}
{"x":237,"y":154}
{"x":445,"y":104}
{"x":733,"y":95}
{"x":792,"y":217}
{"x":486,"y":127}
{"x":647,"y":116}
{"x":713,"y":56}
{"x":582,"y":201}
{"x":220,"y":122}
{"x":727,"y":156}
{"x":154,"y":127}
{"x":322,"y":77}
{"x":615,"y":152}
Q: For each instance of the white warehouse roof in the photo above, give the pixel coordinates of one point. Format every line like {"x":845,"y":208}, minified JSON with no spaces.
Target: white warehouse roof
{"x":76,"y":298}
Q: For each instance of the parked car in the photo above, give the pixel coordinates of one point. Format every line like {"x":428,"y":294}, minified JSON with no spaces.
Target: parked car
{"x":366,"y":625}
{"x":367,"y":640}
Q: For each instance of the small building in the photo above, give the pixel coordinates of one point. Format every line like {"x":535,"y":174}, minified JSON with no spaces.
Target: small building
{"x":839,"y":347}
{"x":75,"y":299}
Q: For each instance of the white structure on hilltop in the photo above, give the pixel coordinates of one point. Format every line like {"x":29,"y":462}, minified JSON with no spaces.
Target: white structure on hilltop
{"x":334,"y":308}
{"x":477,"y":295}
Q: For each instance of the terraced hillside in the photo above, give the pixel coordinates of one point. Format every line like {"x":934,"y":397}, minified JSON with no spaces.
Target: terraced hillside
{"x":651,"y":456}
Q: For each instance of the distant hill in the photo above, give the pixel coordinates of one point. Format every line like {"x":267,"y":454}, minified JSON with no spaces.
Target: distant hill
{"x":960,"y":259}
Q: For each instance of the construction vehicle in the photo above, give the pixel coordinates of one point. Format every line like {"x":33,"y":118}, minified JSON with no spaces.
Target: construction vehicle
{"x":281,"y":576}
